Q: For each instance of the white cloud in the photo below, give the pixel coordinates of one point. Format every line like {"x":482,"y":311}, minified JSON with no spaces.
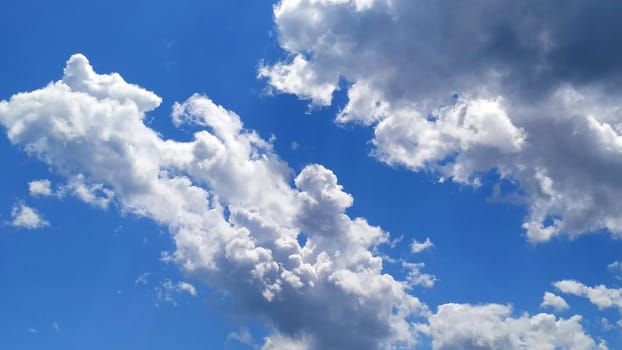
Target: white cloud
{"x":417,"y":247}
{"x":600,"y":295}
{"x":492,"y":327}
{"x":235,"y":211}
{"x":40,"y":188}
{"x":415,"y":277}
{"x":615,"y":267}
{"x":26,"y":217}
{"x":95,"y":194}
{"x":187,"y":287}
{"x":299,"y":77}
{"x":167,"y":291}
{"x":230,"y":206}
{"x":466,"y":88}
{"x":553,"y":301}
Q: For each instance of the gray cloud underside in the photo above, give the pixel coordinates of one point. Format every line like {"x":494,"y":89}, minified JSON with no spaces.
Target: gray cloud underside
{"x":529,"y":89}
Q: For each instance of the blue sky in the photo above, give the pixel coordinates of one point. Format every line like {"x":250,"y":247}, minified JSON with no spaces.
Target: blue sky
{"x":143,"y":216}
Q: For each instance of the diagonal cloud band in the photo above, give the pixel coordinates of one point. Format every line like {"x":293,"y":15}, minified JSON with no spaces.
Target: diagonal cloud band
{"x":235,"y":217}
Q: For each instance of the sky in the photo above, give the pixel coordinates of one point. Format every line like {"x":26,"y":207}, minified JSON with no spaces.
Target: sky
{"x":311,"y":174}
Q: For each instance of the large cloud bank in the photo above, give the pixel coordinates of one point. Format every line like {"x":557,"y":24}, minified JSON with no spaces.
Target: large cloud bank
{"x":235,"y":216}
{"x":529,"y":89}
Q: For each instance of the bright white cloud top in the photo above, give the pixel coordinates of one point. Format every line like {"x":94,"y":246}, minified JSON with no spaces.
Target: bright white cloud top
{"x":235,"y":215}
{"x":601,"y":296}
{"x":557,"y":303}
{"x":417,"y":247}
{"x":40,"y":188}
{"x":226,"y":199}
{"x":462,"y":88}
{"x":492,"y":327}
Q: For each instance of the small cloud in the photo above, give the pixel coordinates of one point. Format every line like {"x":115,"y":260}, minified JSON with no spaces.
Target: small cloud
{"x":553,"y":301}
{"x":41,"y":188}
{"x":243,"y":336}
{"x":142,"y":279}
{"x":418,"y":247}
{"x":417,"y":278}
{"x":167,"y":290}
{"x":616,"y":269}
{"x":187,"y":287}
{"x":295,"y":145}
{"x":396,"y":241}
{"x":94,"y":194}
{"x":26,"y":217}
{"x":32,"y":330}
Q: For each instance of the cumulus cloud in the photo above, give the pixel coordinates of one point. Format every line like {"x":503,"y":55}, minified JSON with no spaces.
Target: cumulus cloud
{"x":525,"y":89}
{"x":26,"y":217}
{"x":95,"y":194}
{"x":492,"y":326}
{"x":233,"y":208}
{"x":601,"y":296}
{"x":553,"y":301}
{"x":235,"y":211}
{"x":40,"y":188}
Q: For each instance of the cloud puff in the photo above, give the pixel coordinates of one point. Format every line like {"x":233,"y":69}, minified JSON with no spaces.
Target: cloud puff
{"x":40,"y":188}
{"x":601,"y":296}
{"x":234,"y":209}
{"x":553,"y":301}
{"x":526,"y":89}
{"x":417,"y":247}
{"x":26,"y":217}
{"x":491,"y":326}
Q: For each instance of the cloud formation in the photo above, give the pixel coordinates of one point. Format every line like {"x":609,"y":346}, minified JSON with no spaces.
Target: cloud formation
{"x":235,"y":211}
{"x":417,"y":247}
{"x":557,"y":303}
{"x":468,"y":327}
{"x":40,"y":188}
{"x":167,"y":291}
{"x":26,"y":217}
{"x":229,"y":204}
{"x":601,"y":296}
{"x":526,"y":89}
